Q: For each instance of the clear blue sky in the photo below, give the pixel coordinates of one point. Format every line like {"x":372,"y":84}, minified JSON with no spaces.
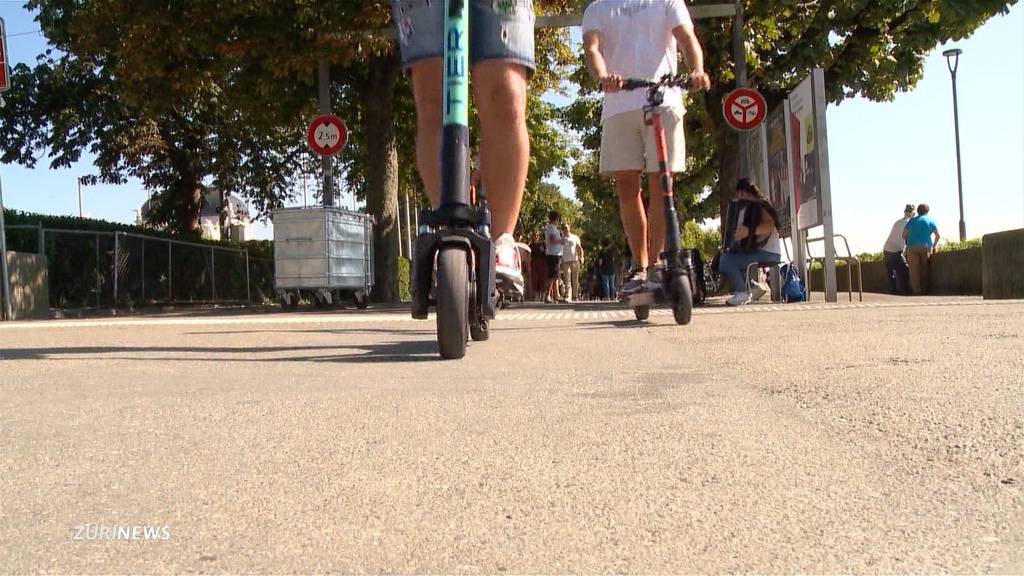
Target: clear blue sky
{"x":883,"y":155}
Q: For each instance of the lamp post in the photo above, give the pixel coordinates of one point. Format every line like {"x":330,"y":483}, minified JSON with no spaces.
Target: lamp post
{"x":953,"y":62}
{"x":80,"y":214}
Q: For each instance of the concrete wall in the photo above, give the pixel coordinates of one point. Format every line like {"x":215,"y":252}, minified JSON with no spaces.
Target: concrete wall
{"x":30,"y":287}
{"x":1003,"y":264}
{"x":957,"y":272}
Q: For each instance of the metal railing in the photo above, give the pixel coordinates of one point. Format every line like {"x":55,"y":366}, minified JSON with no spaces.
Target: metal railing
{"x":850,"y":260}
{"x":121,"y":269}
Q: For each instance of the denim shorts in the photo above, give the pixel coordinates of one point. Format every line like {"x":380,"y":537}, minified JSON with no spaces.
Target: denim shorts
{"x":499,"y":29}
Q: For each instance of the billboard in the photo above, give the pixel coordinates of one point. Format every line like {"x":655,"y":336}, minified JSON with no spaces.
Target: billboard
{"x":806,"y":105}
{"x":4,"y":68}
{"x":777,"y":165}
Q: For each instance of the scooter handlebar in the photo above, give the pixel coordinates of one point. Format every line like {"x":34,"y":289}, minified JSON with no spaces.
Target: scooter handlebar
{"x":677,"y":81}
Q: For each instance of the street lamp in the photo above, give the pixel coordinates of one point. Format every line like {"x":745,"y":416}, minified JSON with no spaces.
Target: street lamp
{"x":80,"y":214}
{"x":953,"y":62}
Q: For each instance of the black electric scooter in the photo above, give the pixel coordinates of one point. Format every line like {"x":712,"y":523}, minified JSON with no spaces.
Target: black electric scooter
{"x":453,"y":265}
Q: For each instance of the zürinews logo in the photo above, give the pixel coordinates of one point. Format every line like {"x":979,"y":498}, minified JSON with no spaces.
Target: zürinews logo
{"x":93,"y":532}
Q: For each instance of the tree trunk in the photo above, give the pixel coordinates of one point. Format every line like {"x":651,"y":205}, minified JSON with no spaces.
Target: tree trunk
{"x":188,"y":206}
{"x":727,"y":146}
{"x":382,"y":172}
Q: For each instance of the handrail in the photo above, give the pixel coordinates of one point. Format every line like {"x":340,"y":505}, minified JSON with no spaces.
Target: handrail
{"x":850,"y":259}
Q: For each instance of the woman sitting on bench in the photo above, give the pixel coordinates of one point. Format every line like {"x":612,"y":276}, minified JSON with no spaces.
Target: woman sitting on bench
{"x":741,"y":248}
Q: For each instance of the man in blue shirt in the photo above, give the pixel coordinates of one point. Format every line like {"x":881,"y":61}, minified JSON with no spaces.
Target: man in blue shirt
{"x":922,"y":237}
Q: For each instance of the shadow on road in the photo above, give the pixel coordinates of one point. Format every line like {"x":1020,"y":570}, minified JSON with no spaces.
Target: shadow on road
{"x":405,"y":351}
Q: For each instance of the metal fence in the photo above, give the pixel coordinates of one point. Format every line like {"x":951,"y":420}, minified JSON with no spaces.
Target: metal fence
{"x":123,"y":269}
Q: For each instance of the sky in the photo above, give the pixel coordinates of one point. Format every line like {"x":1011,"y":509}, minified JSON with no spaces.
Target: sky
{"x":882,"y":155}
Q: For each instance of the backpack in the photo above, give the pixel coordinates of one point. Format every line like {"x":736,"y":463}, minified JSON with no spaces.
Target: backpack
{"x":697,"y":284}
{"x":793,"y":289}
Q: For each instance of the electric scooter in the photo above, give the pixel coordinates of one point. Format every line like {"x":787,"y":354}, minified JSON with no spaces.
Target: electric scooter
{"x":453,"y":264}
{"x":676,"y":288}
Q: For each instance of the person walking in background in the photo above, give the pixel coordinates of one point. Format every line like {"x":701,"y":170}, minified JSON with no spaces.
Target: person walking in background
{"x":606,"y":270}
{"x":538,"y":266}
{"x":922,"y":236}
{"x":895,"y":262}
{"x":553,"y":256}
{"x":572,"y":258}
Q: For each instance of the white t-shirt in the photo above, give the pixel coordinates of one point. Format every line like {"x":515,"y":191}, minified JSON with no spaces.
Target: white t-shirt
{"x":553,"y":239}
{"x":895,"y":242}
{"x":569,"y":245}
{"x":637,"y":42}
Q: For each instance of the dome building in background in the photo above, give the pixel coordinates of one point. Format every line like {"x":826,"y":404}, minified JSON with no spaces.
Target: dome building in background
{"x":234,"y":223}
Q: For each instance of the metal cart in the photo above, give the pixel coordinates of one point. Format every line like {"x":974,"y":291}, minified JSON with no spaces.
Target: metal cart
{"x":323,"y":253}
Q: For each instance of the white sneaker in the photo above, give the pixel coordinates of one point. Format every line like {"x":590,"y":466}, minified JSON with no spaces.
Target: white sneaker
{"x":738,"y":299}
{"x":757,"y":291}
{"x":507,"y":265}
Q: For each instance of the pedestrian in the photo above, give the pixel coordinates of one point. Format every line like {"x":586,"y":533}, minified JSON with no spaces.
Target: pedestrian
{"x":895,"y":261}
{"x":538,"y":266}
{"x":606,"y":270}
{"x":640,"y":39}
{"x":553,"y":256}
{"x":501,"y":62}
{"x":767,"y":241}
{"x":922,"y":236}
{"x":572,"y":258}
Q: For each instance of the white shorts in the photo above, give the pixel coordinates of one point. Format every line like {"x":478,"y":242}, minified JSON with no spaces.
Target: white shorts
{"x":627,"y":144}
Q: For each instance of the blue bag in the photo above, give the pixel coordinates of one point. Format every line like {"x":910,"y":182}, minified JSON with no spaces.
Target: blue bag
{"x":793,"y":289}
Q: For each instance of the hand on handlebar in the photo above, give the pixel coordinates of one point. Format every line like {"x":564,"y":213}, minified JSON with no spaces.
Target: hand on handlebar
{"x":699,"y":80}
{"x":611,"y":83}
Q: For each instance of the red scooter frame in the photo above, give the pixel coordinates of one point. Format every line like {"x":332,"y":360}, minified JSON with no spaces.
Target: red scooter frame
{"x":676,"y":287}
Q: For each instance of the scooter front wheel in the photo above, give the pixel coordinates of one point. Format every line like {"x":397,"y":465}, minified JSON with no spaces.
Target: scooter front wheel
{"x":642,"y":313}
{"x":682,"y":300}
{"x":452,"y":302}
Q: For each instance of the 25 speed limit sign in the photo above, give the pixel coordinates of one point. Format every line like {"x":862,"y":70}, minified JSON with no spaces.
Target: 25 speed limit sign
{"x":326,"y":134}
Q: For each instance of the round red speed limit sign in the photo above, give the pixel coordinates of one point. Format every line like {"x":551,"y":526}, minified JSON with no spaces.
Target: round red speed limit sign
{"x":326,"y":134}
{"x":744,"y":108}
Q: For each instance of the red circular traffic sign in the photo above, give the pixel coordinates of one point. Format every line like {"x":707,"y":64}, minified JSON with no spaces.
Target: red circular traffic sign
{"x":326,"y":134}
{"x":744,"y":108}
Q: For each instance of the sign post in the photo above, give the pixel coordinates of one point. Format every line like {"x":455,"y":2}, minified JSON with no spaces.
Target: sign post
{"x":5,"y":284}
{"x":324,"y":94}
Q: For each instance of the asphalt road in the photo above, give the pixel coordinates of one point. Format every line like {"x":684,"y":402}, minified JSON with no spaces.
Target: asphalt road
{"x":881,"y":439}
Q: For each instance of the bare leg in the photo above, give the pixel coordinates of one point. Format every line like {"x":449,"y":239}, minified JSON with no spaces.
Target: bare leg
{"x":500,"y":90}
{"x":426,"y":89}
{"x":631,"y":210}
{"x":655,"y":217}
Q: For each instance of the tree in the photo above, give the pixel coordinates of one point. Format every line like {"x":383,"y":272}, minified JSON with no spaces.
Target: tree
{"x":158,"y":92}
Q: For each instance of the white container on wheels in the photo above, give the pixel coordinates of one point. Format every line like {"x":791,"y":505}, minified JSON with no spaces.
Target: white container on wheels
{"x":324,"y":252}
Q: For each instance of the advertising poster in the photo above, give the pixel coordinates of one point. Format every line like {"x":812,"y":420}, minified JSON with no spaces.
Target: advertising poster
{"x":778,"y":187}
{"x":806,"y":176}
{"x":758,"y":158}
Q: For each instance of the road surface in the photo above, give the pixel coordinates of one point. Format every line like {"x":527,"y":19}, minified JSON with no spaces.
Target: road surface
{"x":879,"y":437}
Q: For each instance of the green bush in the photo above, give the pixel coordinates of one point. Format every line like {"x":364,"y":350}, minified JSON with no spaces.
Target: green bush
{"x":404,"y":272}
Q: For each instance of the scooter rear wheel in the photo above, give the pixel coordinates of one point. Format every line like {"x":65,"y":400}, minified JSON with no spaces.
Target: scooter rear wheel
{"x":452,"y":303}
{"x":682,"y":300}
{"x":642,"y":313}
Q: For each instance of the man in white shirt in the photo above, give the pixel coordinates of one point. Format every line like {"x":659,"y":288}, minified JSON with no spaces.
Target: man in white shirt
{"x":572,"y":258}
{"x":639,"y":39}
{"x":895,"y":261}
{"x":553,"y":256}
